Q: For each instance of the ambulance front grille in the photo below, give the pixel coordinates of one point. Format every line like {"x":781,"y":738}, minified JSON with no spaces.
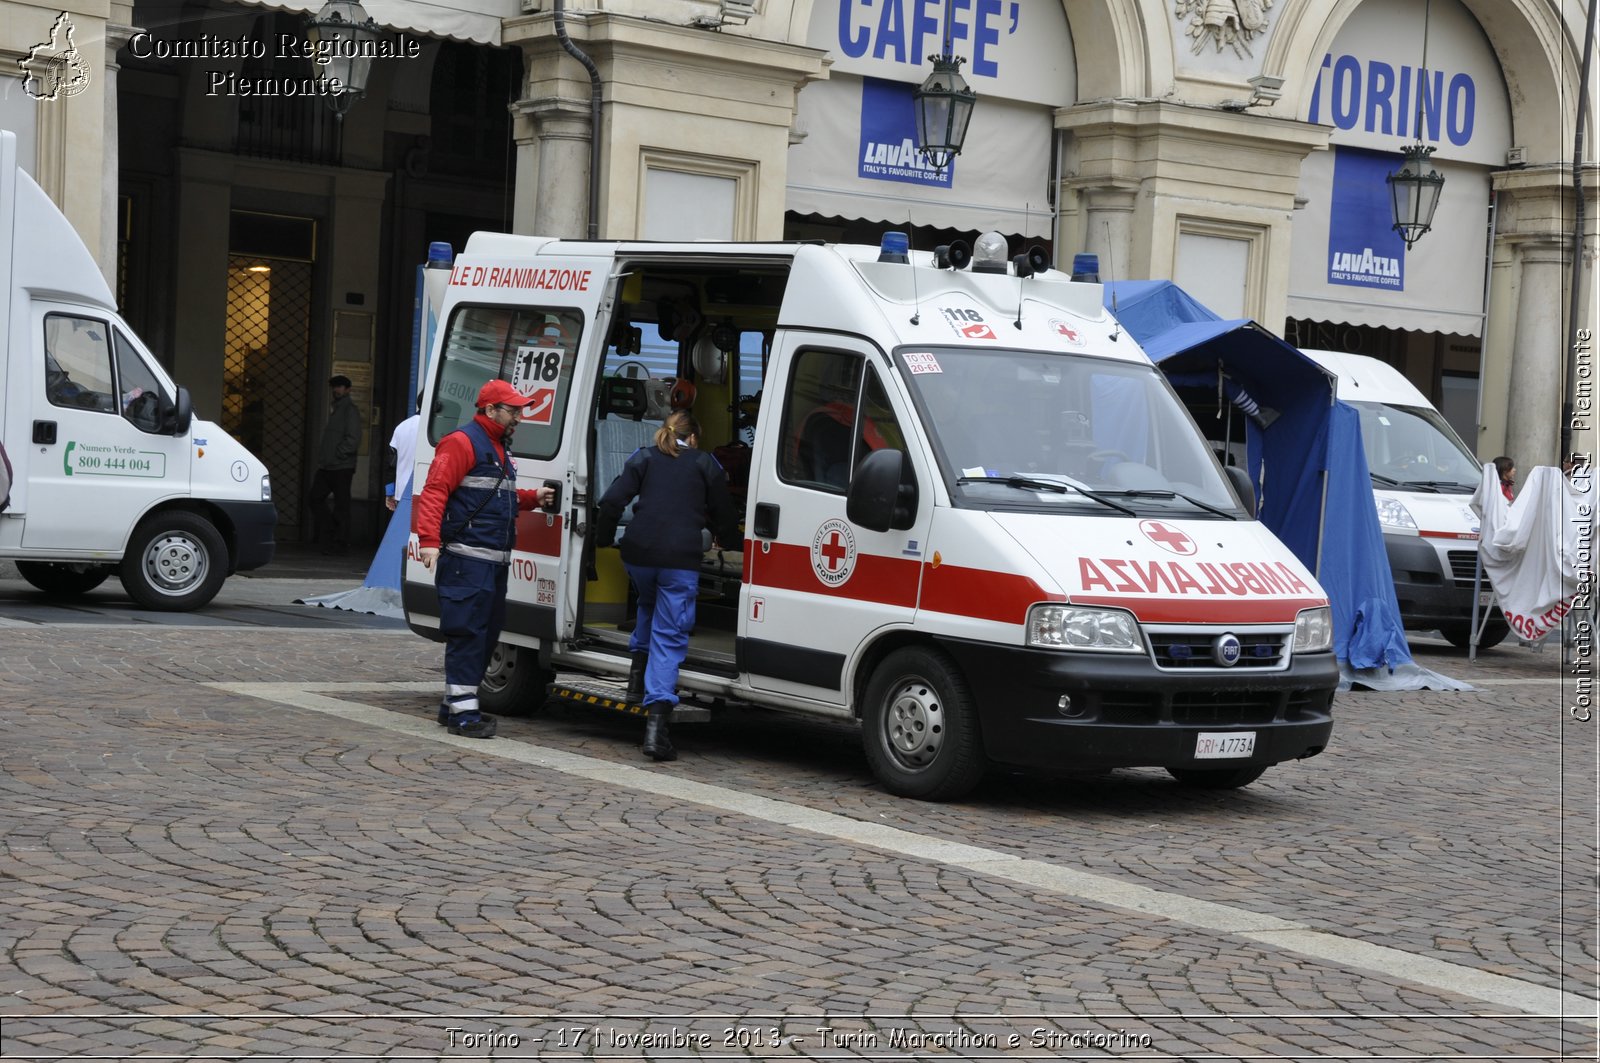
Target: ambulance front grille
{"x":1204,"y":708}
{"x":1463,"y":563}
{"x":1183,"y":649}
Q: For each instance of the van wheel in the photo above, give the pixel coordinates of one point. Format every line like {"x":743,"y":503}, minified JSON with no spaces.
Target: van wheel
{"x":54,"y":577}
{"x":920,"y":728}
{"x":1460,"y":635}
{"x":175,"y":561}
{"x":513,"y":683}
{"x":1218,"y":778}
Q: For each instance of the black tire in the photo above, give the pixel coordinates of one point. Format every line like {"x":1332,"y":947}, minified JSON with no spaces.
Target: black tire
{"x":513,"y":684}
{"x":1218,"y":778}
{"x":64,"y":578}
{"x":175,"y":561}
{"x":920,"y":727}
{"x":1494,"y":633}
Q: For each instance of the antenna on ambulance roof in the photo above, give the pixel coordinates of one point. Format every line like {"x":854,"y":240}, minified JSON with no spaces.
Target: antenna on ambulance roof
{"x":911,"y":260}
{"x":1111,"y":260}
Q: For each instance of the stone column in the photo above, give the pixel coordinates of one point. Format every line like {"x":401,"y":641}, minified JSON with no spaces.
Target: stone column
{"x":1108,"y":226}
{"x":1538,"y":355}
{"x":562,"y":128}
{"x":110,"y":157}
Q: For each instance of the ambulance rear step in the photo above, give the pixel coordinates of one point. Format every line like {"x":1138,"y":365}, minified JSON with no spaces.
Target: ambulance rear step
{"x":599,"y":694}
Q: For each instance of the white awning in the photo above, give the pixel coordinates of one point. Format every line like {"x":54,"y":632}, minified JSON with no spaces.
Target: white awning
{"x":841,"y":170}
{"x":474,"y":21}
{"x":1348,"y":268}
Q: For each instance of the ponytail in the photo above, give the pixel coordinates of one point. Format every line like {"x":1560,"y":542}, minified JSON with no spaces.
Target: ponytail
{"x":680,"y":424}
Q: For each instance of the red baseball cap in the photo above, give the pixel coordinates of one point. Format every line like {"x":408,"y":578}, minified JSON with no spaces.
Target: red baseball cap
{"x":496,"y":392}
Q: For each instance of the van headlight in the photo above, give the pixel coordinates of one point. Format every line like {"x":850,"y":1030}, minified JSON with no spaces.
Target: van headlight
{"x":1392,"y":513}
{"x":1076,"y":627}
{"x":1313,"y":630}
{"x":266,"y":487}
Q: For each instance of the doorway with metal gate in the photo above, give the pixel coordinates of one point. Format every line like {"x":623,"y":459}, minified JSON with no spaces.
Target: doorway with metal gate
{"x":266,"y":358}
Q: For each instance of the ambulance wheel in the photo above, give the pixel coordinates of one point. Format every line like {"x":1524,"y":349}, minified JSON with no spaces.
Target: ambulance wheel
{"x":1218,"y":778}
{"x":920,"y":728}
{"x":176,"y":560}
{"x":1494,"y":633}
{"x":63,"y":577}
{"x":513,"y":683}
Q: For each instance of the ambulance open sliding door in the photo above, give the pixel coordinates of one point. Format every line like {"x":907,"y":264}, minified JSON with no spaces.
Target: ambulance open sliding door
{"x":819,"y":586}
{"x":534,"y":344}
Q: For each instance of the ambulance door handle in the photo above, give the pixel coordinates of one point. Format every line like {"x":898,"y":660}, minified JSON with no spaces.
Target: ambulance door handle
{"x":44,"y":432}
{"x":766,"y":525}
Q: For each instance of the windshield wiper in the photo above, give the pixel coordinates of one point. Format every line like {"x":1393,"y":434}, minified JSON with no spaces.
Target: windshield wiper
{"x":1028,"y":483}
{"x":1389,"y":481}
{"x":1167,"y":492}
{"x":1439,"y":485}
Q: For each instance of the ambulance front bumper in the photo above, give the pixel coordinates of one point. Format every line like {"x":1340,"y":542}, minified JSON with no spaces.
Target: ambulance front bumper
{"x":1044,"y":709}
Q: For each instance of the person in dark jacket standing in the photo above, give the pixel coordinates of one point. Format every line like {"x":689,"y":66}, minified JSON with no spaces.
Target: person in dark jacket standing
{"x":466,"y":527}
{"x":336,"y":467}
{"x":681,"y":491}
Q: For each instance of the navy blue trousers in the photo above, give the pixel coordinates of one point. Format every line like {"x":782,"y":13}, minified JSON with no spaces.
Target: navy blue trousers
{"x":472,"y":610}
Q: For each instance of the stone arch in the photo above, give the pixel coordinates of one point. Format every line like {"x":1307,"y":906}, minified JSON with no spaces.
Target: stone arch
{"x":1538,"y":59}
{"x":1124,"y":48}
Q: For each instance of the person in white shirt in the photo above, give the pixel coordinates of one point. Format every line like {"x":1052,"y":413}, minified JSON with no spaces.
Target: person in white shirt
{"x":404,"y":444}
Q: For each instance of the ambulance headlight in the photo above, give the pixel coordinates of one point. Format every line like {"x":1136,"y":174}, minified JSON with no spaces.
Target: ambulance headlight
{"x":1392,"y":513}
{"x":1076,"y":627}
{"x":1313,"y":630}
{"x":266,"y":487}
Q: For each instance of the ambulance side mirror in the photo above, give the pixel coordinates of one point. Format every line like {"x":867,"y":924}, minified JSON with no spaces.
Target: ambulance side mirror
{"x":175,"y":416}
{"x":878,"y":499}
{"x":1240,"y":479}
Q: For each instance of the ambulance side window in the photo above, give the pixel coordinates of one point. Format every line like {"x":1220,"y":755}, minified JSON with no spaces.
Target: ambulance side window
{"x":139,"y":392}
{"x":531,"y":347}
{"x":837,"y":412}
{"x":77,"y":363}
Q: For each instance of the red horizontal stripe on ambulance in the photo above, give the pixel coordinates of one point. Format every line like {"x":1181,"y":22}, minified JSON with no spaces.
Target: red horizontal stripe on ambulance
{"x":1195,"y":609}
{"x":535,"y":536}
{"x":786,"y":566}
{"x":1448,"y":535}
{"x":980,"y":594}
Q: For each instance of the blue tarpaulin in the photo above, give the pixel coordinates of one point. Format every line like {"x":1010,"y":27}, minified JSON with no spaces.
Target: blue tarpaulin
{"x":1307,"y":464}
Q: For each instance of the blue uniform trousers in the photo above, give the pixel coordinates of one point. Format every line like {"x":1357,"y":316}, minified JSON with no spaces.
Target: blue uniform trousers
{"x":472,"y":610}
{"x":666,"y":617}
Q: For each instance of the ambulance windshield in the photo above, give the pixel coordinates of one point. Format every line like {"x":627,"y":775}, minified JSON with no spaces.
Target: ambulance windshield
{"x":1030,"y":430}
{"x":1413,"y":448}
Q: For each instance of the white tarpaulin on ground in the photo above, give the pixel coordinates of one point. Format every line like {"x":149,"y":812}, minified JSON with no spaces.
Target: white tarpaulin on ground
{"x":1537,"y":550}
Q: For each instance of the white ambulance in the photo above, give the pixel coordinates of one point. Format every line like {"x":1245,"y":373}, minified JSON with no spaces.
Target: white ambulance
{"x":111,"y":471}
{"x":1423,"y":477}
{"x":976,"y":518}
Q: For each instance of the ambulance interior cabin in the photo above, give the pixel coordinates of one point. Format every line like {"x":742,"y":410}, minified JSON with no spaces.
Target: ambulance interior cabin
{"x":687,"y":337}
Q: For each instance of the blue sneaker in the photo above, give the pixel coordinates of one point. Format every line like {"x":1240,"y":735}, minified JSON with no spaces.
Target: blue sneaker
{"x":472,"y":725}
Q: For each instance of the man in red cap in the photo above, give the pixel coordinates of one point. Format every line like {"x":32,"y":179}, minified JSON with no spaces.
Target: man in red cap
{"x":466,"y":526}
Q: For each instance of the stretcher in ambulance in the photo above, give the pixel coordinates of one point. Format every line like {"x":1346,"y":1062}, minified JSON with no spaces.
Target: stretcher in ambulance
{"x":977,"y":521}
{"x":112,"y":472}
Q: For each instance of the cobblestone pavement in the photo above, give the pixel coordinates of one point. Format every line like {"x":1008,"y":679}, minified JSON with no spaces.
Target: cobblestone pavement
{"x":232,"y":844}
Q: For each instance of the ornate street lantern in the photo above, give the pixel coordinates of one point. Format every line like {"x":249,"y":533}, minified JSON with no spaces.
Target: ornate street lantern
{"x":1414,"y":194}
{"x":343,"y":31}
{"x":944,"y":107}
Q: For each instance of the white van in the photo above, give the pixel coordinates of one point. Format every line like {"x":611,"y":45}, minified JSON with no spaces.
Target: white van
{"x":1423,"y":476}
{"x":111,"y":472}
{"x":976,"y":518}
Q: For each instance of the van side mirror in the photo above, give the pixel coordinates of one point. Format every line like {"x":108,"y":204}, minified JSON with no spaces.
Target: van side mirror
{"x":176,"y":416}
{"x":878,"y":498}
{"x":1240,"y":479}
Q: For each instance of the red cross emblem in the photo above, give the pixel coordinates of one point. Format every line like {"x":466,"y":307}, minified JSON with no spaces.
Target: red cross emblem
{"x":1167,"y":538}
{"x":833,"y":552}
{"x":1068,"y":331}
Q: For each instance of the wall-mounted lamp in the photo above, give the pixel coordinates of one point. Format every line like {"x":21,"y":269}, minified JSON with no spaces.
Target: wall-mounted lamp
{"x":344,"y":32}
{"x":1413,"y":193}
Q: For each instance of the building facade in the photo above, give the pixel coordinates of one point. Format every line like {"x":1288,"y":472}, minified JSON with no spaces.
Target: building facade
{"x":1239,"y":147}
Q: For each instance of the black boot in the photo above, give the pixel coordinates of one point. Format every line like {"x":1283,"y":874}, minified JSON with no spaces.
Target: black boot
{"x":657,"y":739}
{"x":634,"y":695}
